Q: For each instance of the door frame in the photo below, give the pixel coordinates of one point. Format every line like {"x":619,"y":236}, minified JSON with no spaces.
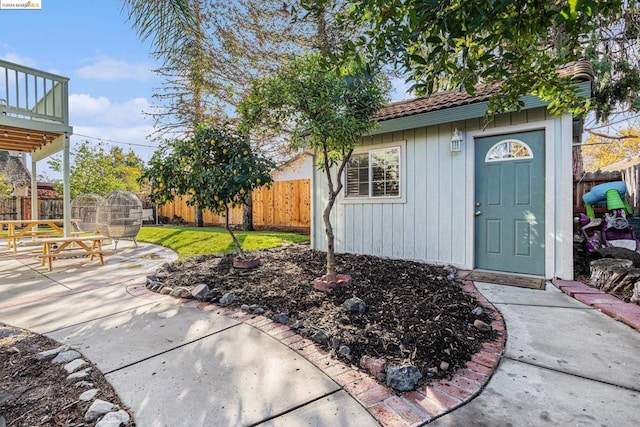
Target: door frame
{"x":555,"y":226}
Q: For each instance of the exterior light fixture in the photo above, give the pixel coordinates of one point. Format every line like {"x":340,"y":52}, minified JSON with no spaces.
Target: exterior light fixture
{"x":456,"y":141}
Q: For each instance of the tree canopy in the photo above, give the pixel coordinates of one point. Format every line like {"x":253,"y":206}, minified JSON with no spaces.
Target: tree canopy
{"x":518,"y":45}
{"x":216,"y":168}
{"x":5,"y":186}
{"x":599,"y":151}
{"x":99,"y":169}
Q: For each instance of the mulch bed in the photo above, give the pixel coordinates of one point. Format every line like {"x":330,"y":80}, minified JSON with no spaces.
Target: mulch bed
{"x":416,"y":313}
{"x":35,"y":392}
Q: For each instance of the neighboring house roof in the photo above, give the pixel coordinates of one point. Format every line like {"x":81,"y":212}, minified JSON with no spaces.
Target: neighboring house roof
{"x":622,"y":164}
{"x":14,"y":169}
{"x":580,"y":70}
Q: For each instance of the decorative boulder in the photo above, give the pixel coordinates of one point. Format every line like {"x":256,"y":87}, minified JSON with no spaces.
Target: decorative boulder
{"x":403,"y":378}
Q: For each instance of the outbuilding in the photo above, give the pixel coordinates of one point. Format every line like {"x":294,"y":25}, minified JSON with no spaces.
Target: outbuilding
{"x":434,"y":183}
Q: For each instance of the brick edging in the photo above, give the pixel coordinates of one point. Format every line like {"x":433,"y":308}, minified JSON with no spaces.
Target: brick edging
{"x":417,"y":407}
{"x":625,"y":312}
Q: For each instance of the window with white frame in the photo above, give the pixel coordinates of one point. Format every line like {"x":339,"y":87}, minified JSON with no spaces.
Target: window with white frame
{"x":375,"y":173}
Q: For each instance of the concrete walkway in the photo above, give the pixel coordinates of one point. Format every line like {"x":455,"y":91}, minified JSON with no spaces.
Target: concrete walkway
{"x":565,"y":364}
{"x":173,"y":365}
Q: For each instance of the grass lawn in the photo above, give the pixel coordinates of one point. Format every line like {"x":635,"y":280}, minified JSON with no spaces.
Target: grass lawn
{"x":190,"y":241}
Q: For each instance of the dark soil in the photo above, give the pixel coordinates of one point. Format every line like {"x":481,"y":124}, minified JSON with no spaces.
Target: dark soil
{"x":35,"y":392}
{"x":416,"y":313}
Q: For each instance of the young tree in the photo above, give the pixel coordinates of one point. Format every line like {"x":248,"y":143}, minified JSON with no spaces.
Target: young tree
{"x":98,"y":169}
{"x":216,"y":169}
{"x":5,"y":186}
{"x":517,"y":45}
{"x":326,"y":110}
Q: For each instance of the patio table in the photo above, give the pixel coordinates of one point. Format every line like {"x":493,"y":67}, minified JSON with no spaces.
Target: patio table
{"x":29,"y":229}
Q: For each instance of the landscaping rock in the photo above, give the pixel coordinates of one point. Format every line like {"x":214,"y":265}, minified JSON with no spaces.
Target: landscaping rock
{"x":444,"y":366}
{"x":403,"y":378}
{"x":78,"y":375}
{"x":245,"y":307}
{"x":66,"y":356}
{"x":50,"y":354}
{"x":478,"y":311}
{"x":153,"y":284}
{"x":297,"y":326}
{"x":213,"y":295}
{"x":97,"y":409}
{"x":320,"y":337}
{"x":227,"y":298}
{"x":114,"y":419}
{"x":345,"y":351}
{"x":157,"y":286}
{"x":334,"y":343}
{"x":355,"y":305}
{"x":259,"y":310}
{"x":8,"y":332}
{"x":177,"y":292}
{"x":83,"y":384}
{"x":166,"y":290}
{"x":200,"y":291}
{"x":281,"y":318}
{"x":376,"y":367}
{"x":74,"y":365}
{"x":481,"y":326}
{"x":88,"y":395}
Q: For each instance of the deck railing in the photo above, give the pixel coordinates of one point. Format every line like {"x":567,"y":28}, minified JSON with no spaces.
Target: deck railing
{"x":31,"y":94}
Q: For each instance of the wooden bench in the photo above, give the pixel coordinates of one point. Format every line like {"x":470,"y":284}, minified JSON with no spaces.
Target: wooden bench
{"x":68,"y":247}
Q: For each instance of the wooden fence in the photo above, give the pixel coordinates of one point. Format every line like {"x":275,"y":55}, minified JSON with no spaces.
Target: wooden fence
{"x":9,"y":208}
{"x":50,"y":208}
{"x":20,"y":208}
{"x":631,"y":176}
{"x":286,"y":205}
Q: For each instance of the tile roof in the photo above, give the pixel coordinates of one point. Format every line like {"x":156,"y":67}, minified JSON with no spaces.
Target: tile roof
{"x":580,"y":70}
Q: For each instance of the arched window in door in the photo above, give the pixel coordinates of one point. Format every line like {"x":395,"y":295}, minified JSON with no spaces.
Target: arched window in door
{"x":508,"y":149}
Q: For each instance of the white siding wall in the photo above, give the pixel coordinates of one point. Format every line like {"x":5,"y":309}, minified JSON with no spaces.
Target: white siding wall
{"x":435,"y":222}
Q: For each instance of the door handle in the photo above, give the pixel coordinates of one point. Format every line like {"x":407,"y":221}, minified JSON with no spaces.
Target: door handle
{"x":478,"y":213}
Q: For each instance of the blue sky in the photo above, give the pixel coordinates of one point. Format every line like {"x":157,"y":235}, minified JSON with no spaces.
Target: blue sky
{"x":110,"y":69}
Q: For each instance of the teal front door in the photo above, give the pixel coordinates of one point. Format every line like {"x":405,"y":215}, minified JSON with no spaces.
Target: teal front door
{"x":509,"y":203}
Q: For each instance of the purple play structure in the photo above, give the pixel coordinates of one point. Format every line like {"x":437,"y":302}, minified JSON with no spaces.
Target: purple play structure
{"x":613,"y":230}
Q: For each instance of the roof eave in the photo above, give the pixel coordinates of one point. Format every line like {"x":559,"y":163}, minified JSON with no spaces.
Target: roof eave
{"x":459,"y":113}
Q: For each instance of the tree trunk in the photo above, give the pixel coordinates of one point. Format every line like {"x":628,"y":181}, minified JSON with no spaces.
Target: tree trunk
{"x":233,"y":236}
{"x":617,"y":277}
{"x":247,"y":214}
{"x":197,"y":215}
{"x":331,"y":255}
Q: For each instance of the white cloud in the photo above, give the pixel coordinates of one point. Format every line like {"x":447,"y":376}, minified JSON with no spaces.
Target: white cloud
{"x":83,"y":108}
{"x":105,"y":68}
{"x":18,"y":59}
